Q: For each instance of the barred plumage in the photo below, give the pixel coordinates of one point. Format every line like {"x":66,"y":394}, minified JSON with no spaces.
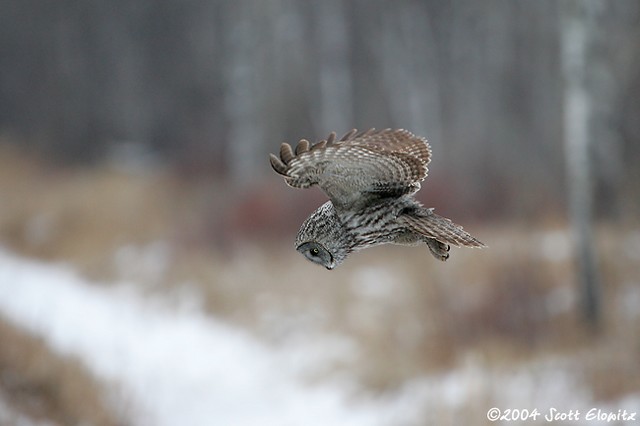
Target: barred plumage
{"x":370,"y":178}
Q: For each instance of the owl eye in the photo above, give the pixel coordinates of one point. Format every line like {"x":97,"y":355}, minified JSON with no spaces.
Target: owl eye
{"x":317,"y":254}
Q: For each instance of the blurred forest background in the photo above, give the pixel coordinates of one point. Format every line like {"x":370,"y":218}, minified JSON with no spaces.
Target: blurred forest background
{"x":134,"y":142}
{"x":210,"y":87}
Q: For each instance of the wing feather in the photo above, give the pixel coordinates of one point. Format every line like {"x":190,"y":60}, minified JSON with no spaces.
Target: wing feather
{"x":347,"y":135}
{"x":389,"y":140}
{"x":278,"y":165}
{"x":358,"y":167}
{"x":439,"y":228}
{"x":303,"y":146}
{"x":286,"y":153}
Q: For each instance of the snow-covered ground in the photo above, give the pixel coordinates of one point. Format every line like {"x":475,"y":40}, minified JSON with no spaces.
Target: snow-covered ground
{"x":170,"y":364}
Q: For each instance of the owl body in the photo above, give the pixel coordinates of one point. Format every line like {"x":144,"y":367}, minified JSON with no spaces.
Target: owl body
{"x":378,"y":224}
{"x":342,"y":232}
{"x":371,"y":179}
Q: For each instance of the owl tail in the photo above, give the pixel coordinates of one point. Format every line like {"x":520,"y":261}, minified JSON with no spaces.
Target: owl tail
{"x":438,"y":231}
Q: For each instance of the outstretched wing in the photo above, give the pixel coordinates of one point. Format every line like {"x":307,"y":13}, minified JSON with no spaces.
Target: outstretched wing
{"x":425,"y":222}
{"x":357,"y":168}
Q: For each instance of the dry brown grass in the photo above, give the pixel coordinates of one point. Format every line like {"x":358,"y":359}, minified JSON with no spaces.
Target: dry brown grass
{"x":410,"y":315}
{"x":405,"y":313}
{"x":81,"y":215}
{"x":43,"y":385}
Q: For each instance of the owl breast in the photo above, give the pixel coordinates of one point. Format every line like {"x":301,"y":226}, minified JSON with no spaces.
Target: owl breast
{"x":377,"y":224}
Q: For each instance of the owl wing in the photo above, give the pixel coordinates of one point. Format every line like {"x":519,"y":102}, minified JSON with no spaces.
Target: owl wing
{"x":359,"y":167}
{"x":426,"y":223}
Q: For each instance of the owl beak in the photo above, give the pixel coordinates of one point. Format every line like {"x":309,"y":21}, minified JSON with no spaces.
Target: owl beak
{"x":331,"y":265}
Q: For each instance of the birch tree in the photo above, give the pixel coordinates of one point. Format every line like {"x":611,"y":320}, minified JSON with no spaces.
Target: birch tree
{"x":576,"y":27}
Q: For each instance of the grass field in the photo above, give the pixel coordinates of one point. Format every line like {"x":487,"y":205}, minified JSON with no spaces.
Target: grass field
{"x":395,"y":315}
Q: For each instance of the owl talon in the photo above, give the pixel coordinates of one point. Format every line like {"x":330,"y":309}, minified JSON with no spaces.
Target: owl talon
{"x":439,"y":250}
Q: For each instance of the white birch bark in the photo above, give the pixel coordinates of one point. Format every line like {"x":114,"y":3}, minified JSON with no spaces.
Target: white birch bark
{"x":577,"y":113}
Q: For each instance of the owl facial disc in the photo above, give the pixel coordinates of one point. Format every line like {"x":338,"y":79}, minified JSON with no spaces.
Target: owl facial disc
{"x":317,"y":254}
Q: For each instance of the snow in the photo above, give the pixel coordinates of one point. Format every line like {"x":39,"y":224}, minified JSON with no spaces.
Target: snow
{"x":171,"y":366}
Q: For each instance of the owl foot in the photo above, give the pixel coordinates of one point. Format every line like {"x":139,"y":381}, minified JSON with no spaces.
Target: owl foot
{"x":439,"y":250}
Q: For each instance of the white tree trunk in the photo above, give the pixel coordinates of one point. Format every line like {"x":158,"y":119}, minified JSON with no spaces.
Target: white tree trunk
{"x":575,"y":33}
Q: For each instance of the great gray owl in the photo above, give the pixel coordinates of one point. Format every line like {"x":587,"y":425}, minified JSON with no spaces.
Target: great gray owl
{"x":371,"y":178}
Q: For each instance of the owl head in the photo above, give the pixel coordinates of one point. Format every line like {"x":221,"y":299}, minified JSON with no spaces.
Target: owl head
{"x":322,"y":238}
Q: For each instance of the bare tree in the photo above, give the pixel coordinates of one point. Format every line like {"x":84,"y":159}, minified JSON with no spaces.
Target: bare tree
{"x":212,"y":85}
{"x":242,"y":94}
{"x":578,"y":19}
